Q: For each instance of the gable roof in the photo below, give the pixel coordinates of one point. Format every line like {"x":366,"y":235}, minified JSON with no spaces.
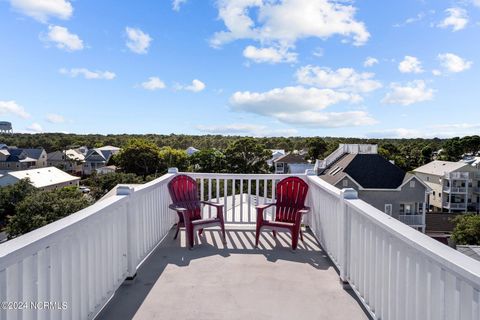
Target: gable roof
{"x":34,"y":153}
{"x":439,"y":168}
{"x":291,"y":158}
{"x":43,"y":177}
{"x":370,"y":171}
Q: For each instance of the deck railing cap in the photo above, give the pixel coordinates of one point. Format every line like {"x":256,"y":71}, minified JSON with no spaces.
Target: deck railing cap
{"x":173,"y":170}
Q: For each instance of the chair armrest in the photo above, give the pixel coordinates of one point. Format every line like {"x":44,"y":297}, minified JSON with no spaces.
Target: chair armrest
{"x":265,"y":206}
{"x":213,"y":204}
{"x":304,"y":210}
{"x":173,"y":206}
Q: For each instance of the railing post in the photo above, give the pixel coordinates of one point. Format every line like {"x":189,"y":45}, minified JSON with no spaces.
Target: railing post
{"x":132,"y":231}
{"x":345,"y":194}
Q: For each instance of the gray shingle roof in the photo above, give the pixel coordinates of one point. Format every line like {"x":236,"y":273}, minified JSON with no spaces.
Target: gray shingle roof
{"x":371,"y":171}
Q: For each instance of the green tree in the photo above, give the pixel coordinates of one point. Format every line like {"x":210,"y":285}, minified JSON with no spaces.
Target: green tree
{"x":11,"y":195}
{"x":452,"y":149}
{"x":141,"y":157}
{"x":101,"y":184}
{"x":246,"y":155}
{"x":170,"y":157}
{"x":44,"y":207}
{"x":427,"y":152}
{"x":208,"y":160}
{"x":316,"y":148}
{"x":467,"y":229}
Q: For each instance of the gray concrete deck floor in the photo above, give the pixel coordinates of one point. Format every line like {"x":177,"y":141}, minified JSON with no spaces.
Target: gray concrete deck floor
{"x":236,"y":281}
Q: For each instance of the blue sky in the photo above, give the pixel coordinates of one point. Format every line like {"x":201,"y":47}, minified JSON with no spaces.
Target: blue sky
{"x":249,"y":67}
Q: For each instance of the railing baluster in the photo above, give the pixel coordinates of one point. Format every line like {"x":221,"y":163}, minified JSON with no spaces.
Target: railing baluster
{"x":242,"y":220}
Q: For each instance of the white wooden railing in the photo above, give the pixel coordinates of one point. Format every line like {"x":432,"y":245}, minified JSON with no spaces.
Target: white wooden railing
{"x":396,"y":271}
{"x":76,"y":264}
{"x":412,"y":219}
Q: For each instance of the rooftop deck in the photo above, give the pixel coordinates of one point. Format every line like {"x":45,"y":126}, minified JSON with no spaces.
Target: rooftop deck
{"x":236,"y":281}
{"x":85,"y":259}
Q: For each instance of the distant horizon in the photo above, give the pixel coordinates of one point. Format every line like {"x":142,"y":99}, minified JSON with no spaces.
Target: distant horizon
{"x":327,"y":68}
{"x":227,"y":135}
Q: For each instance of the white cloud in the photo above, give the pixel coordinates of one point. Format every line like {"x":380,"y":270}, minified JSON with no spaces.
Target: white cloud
{"x":457,"y":19}
{"x":318,"y":52}
{"x":301,"y":106}
{"x":283,"y":23}
{"x":476,"y":3}
{"x":42,"y":10}
{"x":454,"y":63}
{"x":413,"y":92}
{"x":88,"y":74}
{"x":138,"y":41}
{"x":328,"y":119}
{"x":436,"y":72}
{"x":431,"y":131}
{"x":344,"y":79}
{"x":269,"y":55}
{"x":153,"y":83}
{"x":196,"y":86}
{"x":176,"y":4}
{"x":242,"y":129}
{"x":34,"y":128}
{"x":63,"y":39}
{"x":410,"y":65}
{"x":397,"y":133}
{"x":370,"y":62}
{"x":55,"y":118}
{"x":11,"y":107}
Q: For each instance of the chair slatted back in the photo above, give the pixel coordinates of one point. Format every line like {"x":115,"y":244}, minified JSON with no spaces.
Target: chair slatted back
{"x":184,"y":193}
{"x":291,"y":194}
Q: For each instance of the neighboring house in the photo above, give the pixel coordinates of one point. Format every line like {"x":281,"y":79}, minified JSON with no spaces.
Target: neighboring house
{"x":455,"y":185}
{"x":291,"y":163}
{"x":14,"y":159}
{"x":98,"y":158}
{"x":106,"y":169}
{"x":472,"y":160}
{"x":380,"y":183}
{"x":191,"y":150}
{"x":276,"y":153}
{"x":42,"y":178}
{"x":71,"y":160}
{"x":439,"y":226}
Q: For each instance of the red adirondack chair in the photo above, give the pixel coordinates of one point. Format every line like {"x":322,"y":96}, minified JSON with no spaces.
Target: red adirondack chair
{"x":290,"y":207}
{"x":186,"y":202}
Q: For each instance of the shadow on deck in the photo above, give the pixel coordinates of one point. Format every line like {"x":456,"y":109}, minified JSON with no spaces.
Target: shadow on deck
{"x":236,"y":281}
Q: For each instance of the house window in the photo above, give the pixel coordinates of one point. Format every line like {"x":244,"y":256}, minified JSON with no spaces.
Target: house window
{"x":428,"y":178}
{"x":388,"y":209}
{"x":405,"y":208}
{"x":345,"y":183}
{"x":412,"y":184}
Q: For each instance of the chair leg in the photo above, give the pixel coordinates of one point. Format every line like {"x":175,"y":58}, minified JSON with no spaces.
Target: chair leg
{"x":295,"y":239}
{"x":200,"y":231}
{"x":274,"y":234}
{"x":176,"y":233}
{"x":301,"y":234}
{"x":190,"y":235}
{"x":257,"y":234}
{"x":222,"y":227}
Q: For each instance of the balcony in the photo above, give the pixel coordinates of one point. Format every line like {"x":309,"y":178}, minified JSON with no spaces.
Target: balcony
{"x":393,"y":271}
{"x":454,"y":189}
{"x":412,"y":219}
{"x":476,"y":189}
{"x":457,"y":175}
{"x":455,"y":206}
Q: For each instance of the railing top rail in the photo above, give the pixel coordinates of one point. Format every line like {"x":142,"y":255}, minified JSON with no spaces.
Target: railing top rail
{"x":153,"y":184}
{"x":324,"y":185}
{"x":448,"y":257}
{"x":241,"y":175}
{"x":33,"y":241}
